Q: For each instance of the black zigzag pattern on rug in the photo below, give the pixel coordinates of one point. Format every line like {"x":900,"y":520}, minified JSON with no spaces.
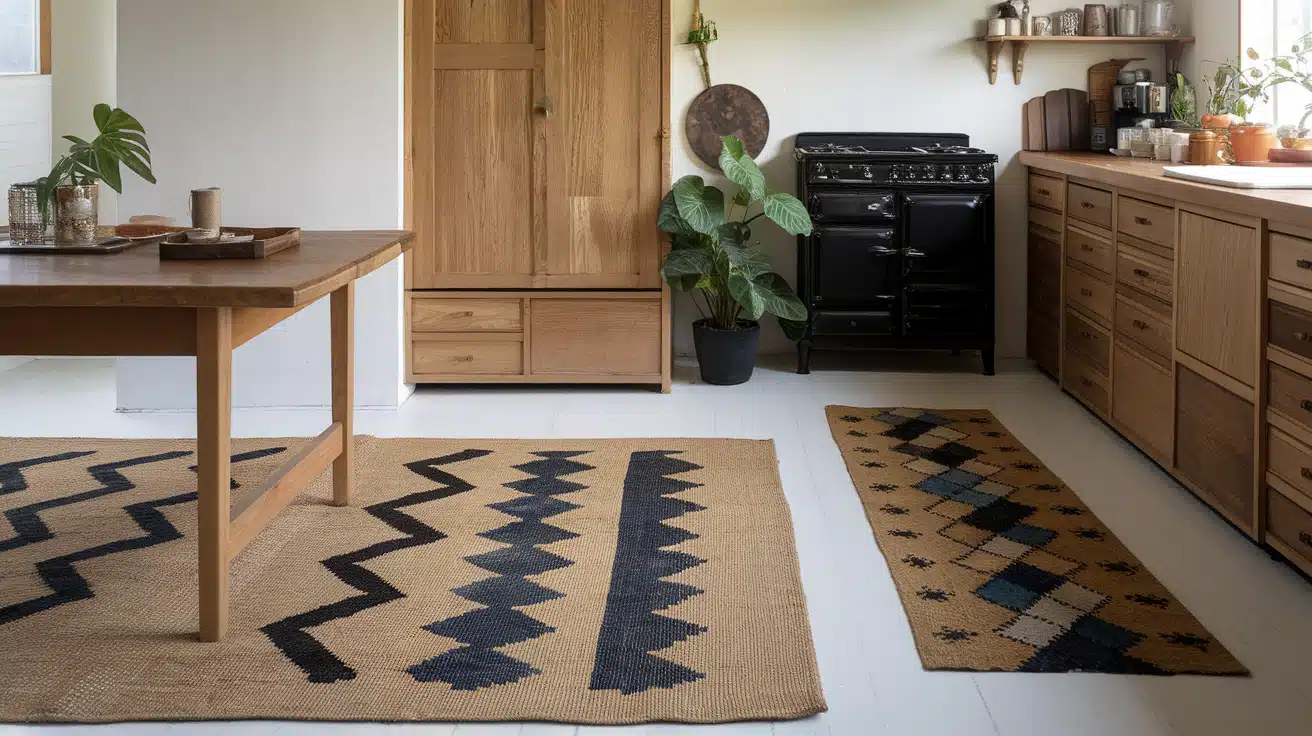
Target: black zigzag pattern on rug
{"x":631,"y":629}
{"x":59,"y":573}
{"x":11,"y":474}
{"x":290,"y":635}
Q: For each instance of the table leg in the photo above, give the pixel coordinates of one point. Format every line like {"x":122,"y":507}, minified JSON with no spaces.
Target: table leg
{"x":213,"y":468}
{"x":343,"y":360}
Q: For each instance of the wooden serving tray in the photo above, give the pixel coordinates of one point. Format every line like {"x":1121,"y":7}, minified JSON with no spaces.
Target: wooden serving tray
{"x":268,"y":240}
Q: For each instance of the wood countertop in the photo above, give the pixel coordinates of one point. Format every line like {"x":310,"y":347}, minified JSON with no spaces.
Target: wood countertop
{"x":1287,"y":206}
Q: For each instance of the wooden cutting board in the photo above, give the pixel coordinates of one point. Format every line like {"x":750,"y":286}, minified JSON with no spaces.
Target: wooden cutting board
{"x":1033,"y":135}
{"x":1077,"y":107}
{"x":1057,"y":120}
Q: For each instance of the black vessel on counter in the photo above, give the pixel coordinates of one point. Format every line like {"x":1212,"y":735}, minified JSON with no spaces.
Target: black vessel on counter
{"x":903,"y":249}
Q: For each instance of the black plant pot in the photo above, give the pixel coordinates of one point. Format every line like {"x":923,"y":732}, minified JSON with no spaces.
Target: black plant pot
{"x":726,"y":357}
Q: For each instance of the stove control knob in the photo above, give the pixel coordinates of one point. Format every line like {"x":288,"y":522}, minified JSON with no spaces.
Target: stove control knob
{"x":867,"y":173}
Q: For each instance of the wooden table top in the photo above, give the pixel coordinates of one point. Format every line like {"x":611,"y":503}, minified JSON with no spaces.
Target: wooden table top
{"x":137,"y":277}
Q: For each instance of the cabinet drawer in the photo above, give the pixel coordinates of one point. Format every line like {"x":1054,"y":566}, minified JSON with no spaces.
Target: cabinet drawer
{"x":853,"y":323}
{"x":1214,"y":443}
{"x":1148,"y":221}
{"x":1141,"y":401}
{"x":1089,"y":294}
{"x":1146,"y":328}
{"x":1291,"y":260}
{"x":466,"y":315}
{"x":1290,"y":394}
{"x":1289,"y":459}
{"x":1289,"y":328}
{"x":1049,"y":221}
{"x":1047,"y":192}
{"x":1092,"y":342}
{"x":1044,"y":343}
{"x":434,"y":357}
{"x":1093,"y":206}
{"x":1089,"y":250}
{"x":595,"y":337}
{"x":1081,"y":378}
{"x":1146,"y":274}
{"x":1290,"y":523}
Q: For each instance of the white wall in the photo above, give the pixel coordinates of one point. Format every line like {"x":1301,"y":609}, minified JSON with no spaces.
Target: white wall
{"x":880,"y":65}
{"x":24,"y":132}
{"x":293,"y":107}
{"x":1215,"y":25}
{"x":84,"y":43}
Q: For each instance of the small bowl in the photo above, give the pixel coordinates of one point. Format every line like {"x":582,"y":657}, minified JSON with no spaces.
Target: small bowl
{"x":1297,"y":144}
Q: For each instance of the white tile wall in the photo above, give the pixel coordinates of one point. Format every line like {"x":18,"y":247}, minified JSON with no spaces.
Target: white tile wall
{"x":24,"y":132}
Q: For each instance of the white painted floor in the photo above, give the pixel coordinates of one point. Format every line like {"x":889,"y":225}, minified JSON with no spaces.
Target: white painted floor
{"x":1260,"y":609}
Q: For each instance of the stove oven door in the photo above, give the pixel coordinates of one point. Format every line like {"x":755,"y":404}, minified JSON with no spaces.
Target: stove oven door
{"x":852,"y":208}
{"x":943,"y":310}
{"x":854,"y":267}
{"x":945,"y":237}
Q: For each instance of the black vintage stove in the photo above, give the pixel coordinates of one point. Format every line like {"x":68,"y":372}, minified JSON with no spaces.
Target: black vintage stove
{"x":902,"y":252}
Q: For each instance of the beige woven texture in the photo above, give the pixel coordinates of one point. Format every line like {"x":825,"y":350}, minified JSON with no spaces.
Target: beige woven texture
{"x":130,"y":652}
{"x":938,"y":563}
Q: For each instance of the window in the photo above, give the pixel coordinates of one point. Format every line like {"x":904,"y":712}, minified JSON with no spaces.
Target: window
{"x":1272,"y":27}
{"x":20,"y":36}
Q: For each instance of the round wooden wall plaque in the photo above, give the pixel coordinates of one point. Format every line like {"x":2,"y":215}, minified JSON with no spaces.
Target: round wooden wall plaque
{"x":726,"y":109}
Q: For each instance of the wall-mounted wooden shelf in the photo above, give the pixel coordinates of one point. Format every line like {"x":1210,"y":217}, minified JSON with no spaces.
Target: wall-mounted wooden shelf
{"x":1021,"y":44}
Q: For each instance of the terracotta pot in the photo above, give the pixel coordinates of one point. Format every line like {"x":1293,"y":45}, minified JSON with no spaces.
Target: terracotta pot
{"x":1215,"y":122}
{"x":1252,"y":142}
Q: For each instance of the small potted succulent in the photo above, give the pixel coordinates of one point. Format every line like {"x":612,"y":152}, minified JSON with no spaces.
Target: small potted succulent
{"x":713,"y":256}
{"x":72,"y":188}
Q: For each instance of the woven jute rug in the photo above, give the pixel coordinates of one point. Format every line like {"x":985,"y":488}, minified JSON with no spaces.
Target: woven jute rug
{"x":589,"y":581}
{"x":999,"y":565}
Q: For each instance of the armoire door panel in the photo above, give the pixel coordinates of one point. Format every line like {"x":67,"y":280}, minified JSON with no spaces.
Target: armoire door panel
{"x":481,"y":21}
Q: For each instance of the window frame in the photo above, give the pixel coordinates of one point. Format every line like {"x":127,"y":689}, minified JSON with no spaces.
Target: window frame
{"x":1265,"y":41}
{"x":43,"y":49}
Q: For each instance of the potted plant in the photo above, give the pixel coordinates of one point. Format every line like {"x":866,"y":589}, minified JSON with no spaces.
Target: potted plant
{"x":712,"y":254}
{"x":72,"y":187}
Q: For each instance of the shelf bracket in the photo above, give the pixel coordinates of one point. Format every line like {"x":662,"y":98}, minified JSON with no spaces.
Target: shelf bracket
{"x":1018,"y":49}
{"x":995,"y":48}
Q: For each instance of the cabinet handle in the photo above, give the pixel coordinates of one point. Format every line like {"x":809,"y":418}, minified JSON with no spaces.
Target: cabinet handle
{"x":881,"y":250}
{"x":1086,"y":247}
{"x":1306,"y":404}
{"x":1086,"y":292}
{"x":1305,"y":538}
{"x":464,"y":359}
{"x":1142,"y":273}
{"x":1144,"y":221}
{"x":1306,"y":265}
{"x":462,"y":315}
{"x":1302,"y":337}
{"x":1306,"y":473}
{"x":1087,"y":205}
{"x":1141,"y":325}
{"x":1086,"y":334}
{"x":1044,"y":192}
{"x":1086,"y":382}
{"x":544,"y":107}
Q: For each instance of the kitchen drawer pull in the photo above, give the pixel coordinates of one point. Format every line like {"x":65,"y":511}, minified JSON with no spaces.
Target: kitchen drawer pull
{"x":1143,"y":221}
{"x":1086,"y":292}
{"x":1086,"y":382}
{"x":1142,"y":273}
{"x":1086,"y":247}
{"x":1086,"y":334}
{"x":1304,"y":264}
{"x":1088,"y":205}
{"x":1306,"y":404}
{"x":881,"y":250}
{"x":464,"y":359}
{"x":462,"y":315}
{"x":1302,"y":337}
{"x":1140,"y":324}
{"x":1306,"y":473}
{"x":1044,"y":192}
{"x":1305,"y":538}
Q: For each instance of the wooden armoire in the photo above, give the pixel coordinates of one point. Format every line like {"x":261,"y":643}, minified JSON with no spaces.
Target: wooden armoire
{"x":538,"y":155}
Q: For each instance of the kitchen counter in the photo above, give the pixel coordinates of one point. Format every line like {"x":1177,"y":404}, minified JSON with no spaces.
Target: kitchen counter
{"x":1288,"y":206}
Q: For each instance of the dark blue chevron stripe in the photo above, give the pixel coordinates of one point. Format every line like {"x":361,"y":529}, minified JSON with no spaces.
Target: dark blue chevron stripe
{"x":290,"y":635}
{"x":59,"y":574}
{"x":11,"y":474}
{"x":631,"y":629}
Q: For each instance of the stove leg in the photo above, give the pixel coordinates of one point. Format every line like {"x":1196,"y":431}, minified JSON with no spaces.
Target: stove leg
{"x":804,"y":358}
{"x":987,"y":356}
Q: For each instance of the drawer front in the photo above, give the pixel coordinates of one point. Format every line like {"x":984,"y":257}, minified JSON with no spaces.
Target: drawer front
{"x":1044,"y":295}
{"x":1141,"y":401}
{"x":853,"y":323}
{"x":1148,"y":221}
{"x":1291,"y":260}
{"x":1146,"y":328}
{"x":595,"y":337}
{"x":1290,"y":523}
{"x":1151,"y":277}
{"x":1089,"y":294}
{"x":1046,"y":192}
{"x":431,"y":357}
{"x":1290,"y":394}
{"x":1089,"y":250}
{"x":1081,"y":378}
{"x":1092,"y":342}
{"x":1044,"y":343}
{"x":1093,"y":206}
{"x":1214,"y":443}
{"x":1289,"y":459}
{"x":1290,"y":328}
{"x":1050,"y":221}
{"x":466,"y":315}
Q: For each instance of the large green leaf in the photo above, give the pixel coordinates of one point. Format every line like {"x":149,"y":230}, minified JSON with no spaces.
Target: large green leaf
{"x":734,"y":233}
{"x":778,"y":297}
{"x":741,"y":169}
{"x":747,"y":295}
{"x":793,"y":329}
{"x":679,"y":265}
{"x":752,"y":262}
{"x":101,"y":114}
{"x":701,"y":206}
{"x":788,"y":213}
{"x":120,"y":120}
{"x":669,"y":220}
{"x":107,"y":166}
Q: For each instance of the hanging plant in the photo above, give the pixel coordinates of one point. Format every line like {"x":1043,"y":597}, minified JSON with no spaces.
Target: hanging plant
{"x":702,"y":35}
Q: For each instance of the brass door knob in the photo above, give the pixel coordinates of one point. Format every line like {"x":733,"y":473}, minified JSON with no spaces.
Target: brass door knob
{"x":544,"y":107}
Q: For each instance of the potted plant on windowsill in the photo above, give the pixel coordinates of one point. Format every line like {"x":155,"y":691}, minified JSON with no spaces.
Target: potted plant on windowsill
{"x":72,"y":187}
{"x":712,"y":254}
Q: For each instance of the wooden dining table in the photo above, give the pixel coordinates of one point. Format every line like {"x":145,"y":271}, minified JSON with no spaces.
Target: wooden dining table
{"x":133,"y":304}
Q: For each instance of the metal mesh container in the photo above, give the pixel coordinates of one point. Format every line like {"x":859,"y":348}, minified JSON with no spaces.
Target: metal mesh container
{"x":25,"y":223}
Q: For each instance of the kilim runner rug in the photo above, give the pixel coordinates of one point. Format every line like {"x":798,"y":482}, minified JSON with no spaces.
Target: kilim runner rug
{"x":589,"y":581}
{"x":999,"y":565}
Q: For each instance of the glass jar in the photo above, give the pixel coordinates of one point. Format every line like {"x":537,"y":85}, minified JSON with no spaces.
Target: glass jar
{"x":1159,"y":18}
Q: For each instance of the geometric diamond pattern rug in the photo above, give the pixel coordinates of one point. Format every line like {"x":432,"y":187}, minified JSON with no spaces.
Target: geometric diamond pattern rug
{"x":584,"y":581}
{"x":999,"y":565}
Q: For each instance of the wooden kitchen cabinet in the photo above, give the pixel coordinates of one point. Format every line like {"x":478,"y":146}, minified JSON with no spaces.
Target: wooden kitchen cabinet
{"x":1214,"y":446}
{"x":1217,"y":294}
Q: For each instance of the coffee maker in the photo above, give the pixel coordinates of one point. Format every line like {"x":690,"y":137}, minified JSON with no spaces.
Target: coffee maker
{"x":1137,"y":104}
